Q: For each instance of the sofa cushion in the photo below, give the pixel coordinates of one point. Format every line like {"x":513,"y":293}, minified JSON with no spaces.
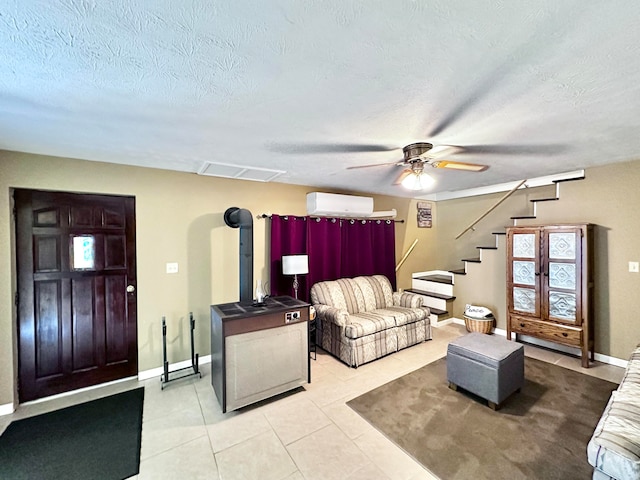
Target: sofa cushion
{"x":409,"y":300}
{"x":614,"y":447}
{"x":367,"y":323}
{"x":403,"y":315}
{"x":376,"y":291}
{"x":631,"y":379}
{"x":342,"y":294}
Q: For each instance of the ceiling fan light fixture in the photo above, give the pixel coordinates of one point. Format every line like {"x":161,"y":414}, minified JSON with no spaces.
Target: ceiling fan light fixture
{"x":417,"y":181}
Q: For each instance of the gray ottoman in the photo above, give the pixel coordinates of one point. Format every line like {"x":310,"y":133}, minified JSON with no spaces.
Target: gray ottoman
{"x":489,"y":366}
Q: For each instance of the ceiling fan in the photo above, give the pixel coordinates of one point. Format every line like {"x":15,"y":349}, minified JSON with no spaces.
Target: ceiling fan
{"x":420,"y":154}
{"x":416,"y":157}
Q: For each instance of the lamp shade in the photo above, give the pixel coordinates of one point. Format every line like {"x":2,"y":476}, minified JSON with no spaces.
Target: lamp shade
{"x":417,"y":181}
{"x":295,"y":264}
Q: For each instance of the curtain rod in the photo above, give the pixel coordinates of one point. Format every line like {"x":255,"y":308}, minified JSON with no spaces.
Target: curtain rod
{"x":265,"y":215}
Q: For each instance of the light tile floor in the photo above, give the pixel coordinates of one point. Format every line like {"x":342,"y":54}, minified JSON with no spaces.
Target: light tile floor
{"x":310,"y":434}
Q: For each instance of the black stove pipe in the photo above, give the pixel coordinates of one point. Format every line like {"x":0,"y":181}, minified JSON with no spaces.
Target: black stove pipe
{"x":241,"y":218}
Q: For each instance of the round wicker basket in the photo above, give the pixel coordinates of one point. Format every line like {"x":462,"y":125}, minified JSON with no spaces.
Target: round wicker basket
{"x":482,"y":325}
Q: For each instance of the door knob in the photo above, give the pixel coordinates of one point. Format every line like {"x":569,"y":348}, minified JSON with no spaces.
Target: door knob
{"x":131,"y":289}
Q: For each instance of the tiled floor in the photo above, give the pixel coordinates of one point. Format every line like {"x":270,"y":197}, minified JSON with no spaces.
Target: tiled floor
{"x":311,"y":434}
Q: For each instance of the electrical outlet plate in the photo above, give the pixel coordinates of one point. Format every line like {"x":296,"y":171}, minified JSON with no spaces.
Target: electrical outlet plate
{"x":172,"y":267}
{"x":292,"y":316}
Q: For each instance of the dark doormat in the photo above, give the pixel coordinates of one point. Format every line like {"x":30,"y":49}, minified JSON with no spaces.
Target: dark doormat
{"x":97,"y":440}
{"x":540,"y":433}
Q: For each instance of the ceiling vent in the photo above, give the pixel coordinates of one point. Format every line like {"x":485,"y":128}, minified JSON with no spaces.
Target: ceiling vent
{"x":239,"y":172}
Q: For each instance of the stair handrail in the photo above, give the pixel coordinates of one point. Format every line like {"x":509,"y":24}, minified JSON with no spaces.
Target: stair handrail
{"x":406,"y":254}
{"x":507,"y":195}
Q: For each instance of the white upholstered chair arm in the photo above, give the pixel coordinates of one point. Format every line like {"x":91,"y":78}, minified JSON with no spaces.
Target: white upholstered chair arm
{"x":335,"y":315}
{"x":406,"y":299}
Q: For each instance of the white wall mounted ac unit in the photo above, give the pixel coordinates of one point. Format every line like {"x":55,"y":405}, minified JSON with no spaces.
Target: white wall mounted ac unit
{"x":337,"y":205}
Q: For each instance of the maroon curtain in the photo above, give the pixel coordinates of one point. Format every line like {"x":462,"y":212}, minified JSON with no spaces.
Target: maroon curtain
{"x":336,"y":248}
{"x":357,"y":252}
{"x":324,"y":243}
{"x":288,"y":237}
{"x":383,"y":238}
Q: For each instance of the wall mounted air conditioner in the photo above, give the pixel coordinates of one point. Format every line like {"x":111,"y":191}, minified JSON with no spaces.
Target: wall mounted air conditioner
{"x":336,"y":205}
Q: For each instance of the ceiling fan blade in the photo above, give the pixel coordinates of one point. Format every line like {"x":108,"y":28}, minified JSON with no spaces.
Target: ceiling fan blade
{"x":400,"y":162}
{"x":297,"y":148}
{"x":404,"y":174}
{"x":469,"y":167}
{"x":444,"y":150}
{"x":513,"y":149}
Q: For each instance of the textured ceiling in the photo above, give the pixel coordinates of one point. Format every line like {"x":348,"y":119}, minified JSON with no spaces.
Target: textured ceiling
{"x":547,"y":86}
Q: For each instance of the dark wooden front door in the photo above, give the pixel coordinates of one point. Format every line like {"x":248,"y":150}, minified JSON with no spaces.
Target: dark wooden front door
{"x":76,"y":267}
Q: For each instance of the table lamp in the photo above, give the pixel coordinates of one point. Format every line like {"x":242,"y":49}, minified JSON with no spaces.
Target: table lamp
{"x":295,"y":265}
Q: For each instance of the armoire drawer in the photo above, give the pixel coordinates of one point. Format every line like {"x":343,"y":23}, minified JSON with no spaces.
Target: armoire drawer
{"x":555,"y":332}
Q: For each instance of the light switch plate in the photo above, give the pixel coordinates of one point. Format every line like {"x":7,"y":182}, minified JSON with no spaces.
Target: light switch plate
{"x":172,"y":267}
{"x":634,"y":267}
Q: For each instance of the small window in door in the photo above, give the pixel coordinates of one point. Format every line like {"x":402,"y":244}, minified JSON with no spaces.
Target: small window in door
{"x":83,"y":252}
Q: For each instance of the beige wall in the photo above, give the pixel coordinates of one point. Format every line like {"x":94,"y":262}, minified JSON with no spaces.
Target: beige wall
{"x":179,"y":219}
{"x":608,"y":197}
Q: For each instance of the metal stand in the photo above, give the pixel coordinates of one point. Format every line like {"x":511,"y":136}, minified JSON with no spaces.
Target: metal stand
{"x":164,"y":378}
{"x":312,"y":339}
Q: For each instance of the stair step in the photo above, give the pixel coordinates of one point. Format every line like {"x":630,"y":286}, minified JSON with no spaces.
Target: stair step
{"x":460,"y":271}
{"x":436,"y":278}
{"x":472,"y":260}
{"x":487,"y":248}
{"x":437,"y":311}
{"x":498,"y":233}
{"x":523,"y":217}
{"x":431,"y":294}
{"x":550,"y":199}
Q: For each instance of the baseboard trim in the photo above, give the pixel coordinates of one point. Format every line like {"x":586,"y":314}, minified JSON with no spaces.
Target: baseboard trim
{"x":9,"y":408}
{"x":599,"y":357}
{"x":79,"y":390}
{"x":446,"y":321}
{"x":6,"y":409}
{"x":156,"y":372}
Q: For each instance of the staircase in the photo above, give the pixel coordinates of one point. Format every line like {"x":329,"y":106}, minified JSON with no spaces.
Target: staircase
{"x":514,"y":219}
{"x":436,"y":287}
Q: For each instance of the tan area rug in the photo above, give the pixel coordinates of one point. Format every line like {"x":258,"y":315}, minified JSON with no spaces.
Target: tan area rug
{"x":540,"y":433}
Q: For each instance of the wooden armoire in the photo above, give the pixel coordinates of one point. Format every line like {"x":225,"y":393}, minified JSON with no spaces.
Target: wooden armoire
{"x":550,"y":284}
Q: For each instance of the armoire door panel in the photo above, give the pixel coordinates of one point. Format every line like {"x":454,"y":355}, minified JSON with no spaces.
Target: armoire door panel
{"x":523,"y":271}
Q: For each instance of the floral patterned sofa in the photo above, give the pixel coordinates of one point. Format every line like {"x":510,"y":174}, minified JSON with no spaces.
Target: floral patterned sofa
{"x":614,"y":448}
{"x":361,"y":319}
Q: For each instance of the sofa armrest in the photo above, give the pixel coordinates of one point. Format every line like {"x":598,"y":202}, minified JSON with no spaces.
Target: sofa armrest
{"x":335,"y":315}
{"x":406,"y":299}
